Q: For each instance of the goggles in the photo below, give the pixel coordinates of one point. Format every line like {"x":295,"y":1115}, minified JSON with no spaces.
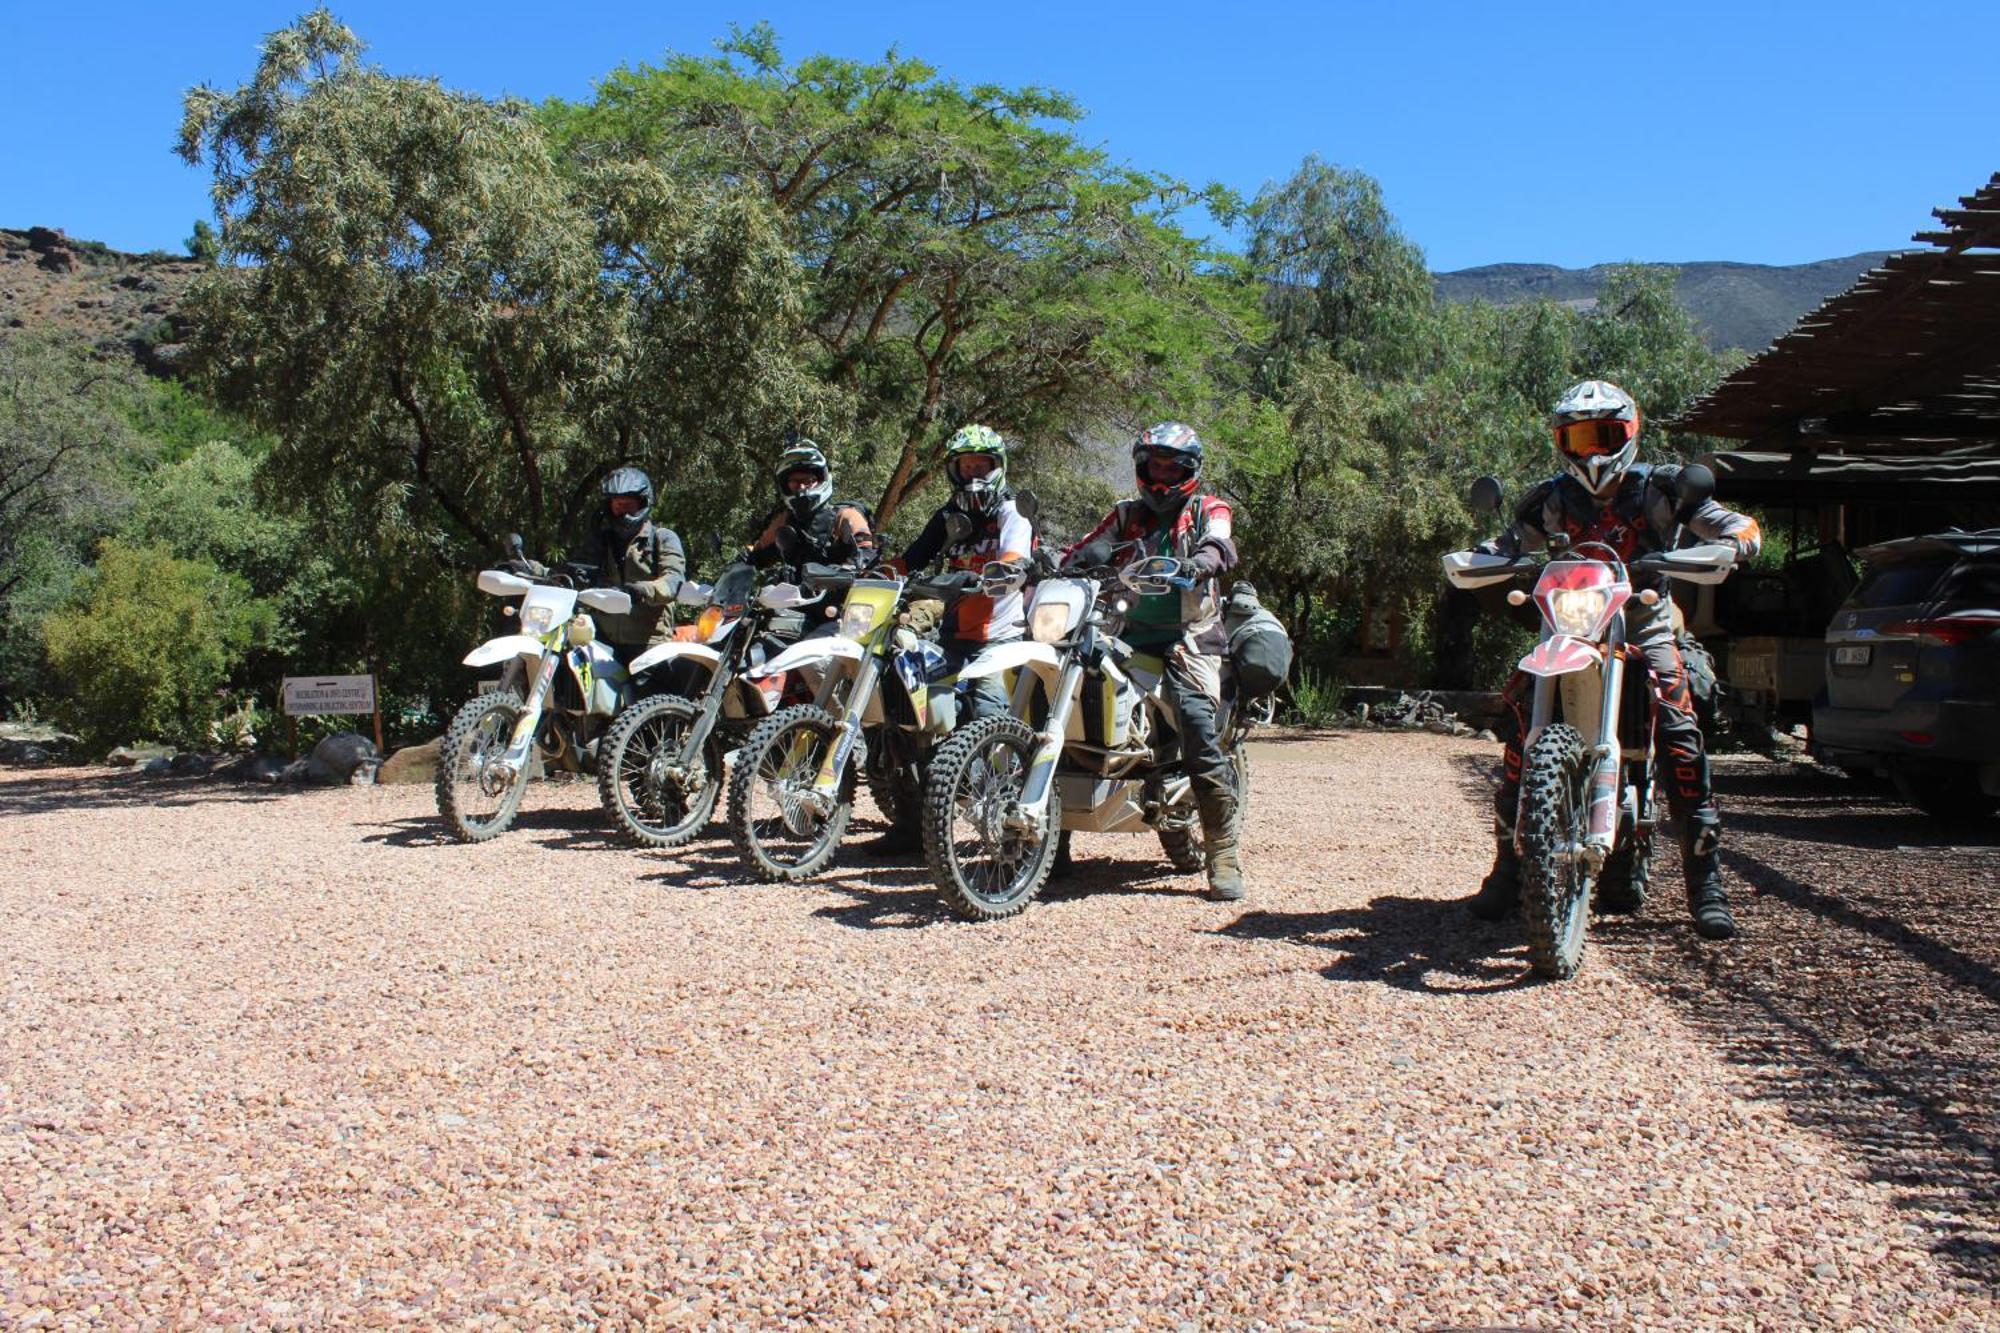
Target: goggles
{"x":624,"y":506}
{"x":969,"y":467}
{"x":801,"y":480}
{"x":1592,"y":439}
{"x":1168,"y":469}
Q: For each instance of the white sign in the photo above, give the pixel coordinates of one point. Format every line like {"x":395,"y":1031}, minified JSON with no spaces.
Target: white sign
{"x":314,"y":696}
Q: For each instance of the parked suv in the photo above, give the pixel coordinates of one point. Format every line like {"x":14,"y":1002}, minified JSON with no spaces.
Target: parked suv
{"x":1913,"y":673}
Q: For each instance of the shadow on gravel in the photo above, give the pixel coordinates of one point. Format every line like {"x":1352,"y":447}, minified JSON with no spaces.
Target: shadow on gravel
{"x":93,"y":791}
{"x":1413,"y":944}
{"x":1863,"y":995}
{"x":567,"y":828}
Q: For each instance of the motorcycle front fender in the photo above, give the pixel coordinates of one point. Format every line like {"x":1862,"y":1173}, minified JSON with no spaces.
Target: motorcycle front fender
{"x":809,"y":652}
{"x":503,"y":648}
{"x":1021,"y":655}
{"x":666,"y":652}
{"x":1559,"y":655}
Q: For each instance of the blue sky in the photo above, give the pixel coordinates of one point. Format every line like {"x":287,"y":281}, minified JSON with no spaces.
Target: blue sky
{"x":1563,"y":133}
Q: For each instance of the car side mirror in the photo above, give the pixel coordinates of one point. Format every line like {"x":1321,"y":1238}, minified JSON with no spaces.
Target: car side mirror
{"x":1486,"y":496}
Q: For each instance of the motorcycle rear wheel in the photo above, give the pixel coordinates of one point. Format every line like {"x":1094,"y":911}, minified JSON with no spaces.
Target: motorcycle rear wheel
{"x":984,"y":870}
{"x":477,"y":805}
{"x":1555,"y":883}
{"x":648,"y":809}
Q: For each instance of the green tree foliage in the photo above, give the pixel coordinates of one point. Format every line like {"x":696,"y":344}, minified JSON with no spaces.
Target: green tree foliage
{"x":68,"y":454}
{"x":967,"y":257}
{"x":203,"y":243}
{"x":147,"y":648}
{"x":450,"y":335}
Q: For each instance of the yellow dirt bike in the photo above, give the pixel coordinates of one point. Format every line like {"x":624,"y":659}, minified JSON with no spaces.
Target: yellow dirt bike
{"x":792,"y":791}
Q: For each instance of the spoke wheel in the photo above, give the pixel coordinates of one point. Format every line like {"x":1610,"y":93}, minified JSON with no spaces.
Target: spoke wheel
{"x":774,"y":817}
{"x":983,"y":861}
{"x":477,"y":796}
{"x":1555,"y":886}
{"x":649,"y":798}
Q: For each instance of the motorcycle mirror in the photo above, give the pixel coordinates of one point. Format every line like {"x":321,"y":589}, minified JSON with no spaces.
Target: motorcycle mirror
{"x":715,"y":541}
{"x":957,"y":527}
{"x":514,"y":546}
{"x":1696,"y":487}
{"x":1485,"y":496}
{"x":787,"y":543}
{"x":1027,"y":504}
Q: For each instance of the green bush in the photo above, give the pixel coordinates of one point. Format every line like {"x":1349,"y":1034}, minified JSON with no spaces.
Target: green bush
{"x":1315,"y":699}
{"x":145,"y":651}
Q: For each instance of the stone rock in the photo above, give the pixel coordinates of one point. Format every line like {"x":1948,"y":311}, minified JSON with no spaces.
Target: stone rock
{"x":346,"y":757}
{"x":159,"y":766}
{"x":412,"y":765}
{"x":24,"y":754}
{"x":297,"y":772}
{"x":254,"y":768}
{"x":126,"y":756}
{"x":190,"y":765}
{"x":1488,"y":735}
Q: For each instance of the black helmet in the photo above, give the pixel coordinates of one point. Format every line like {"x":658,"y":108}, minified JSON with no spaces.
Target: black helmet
{"x":803,"y":456}
{"x":624,"y":485}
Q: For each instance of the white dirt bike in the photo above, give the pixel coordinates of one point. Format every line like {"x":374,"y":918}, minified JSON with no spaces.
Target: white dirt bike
{"x":660,"y":767}
{"x":1003,"y":793}
{"x":558,"y":690}
{"x":1589,"y":793}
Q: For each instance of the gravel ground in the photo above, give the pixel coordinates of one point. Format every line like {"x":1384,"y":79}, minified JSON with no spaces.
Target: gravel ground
{"x":293,"y":1061}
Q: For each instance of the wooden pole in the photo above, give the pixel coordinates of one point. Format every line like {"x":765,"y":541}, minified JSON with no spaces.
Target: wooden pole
{"x":292,"y":735}
{"x":375,"y":693}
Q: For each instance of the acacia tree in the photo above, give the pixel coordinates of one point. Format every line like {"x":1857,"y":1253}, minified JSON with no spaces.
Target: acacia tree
{"x":449,"y":332}
{"x":967,"y":257}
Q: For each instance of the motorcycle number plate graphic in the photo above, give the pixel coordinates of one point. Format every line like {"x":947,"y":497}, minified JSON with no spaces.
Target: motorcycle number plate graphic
{"x":1853,"y":654}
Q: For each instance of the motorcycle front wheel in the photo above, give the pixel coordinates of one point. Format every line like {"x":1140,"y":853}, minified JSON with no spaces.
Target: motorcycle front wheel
{"x":774,"y":820}
{"x":648,"y":799}
{"x":476,"y":796}
{"x":1555,"y":883}
{"x":986,"y":865}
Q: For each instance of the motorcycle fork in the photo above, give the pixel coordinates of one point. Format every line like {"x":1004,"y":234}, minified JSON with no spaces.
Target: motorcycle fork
{"x":1036,"y":790}
{"x":524,"y":730}
{"x":711,"y":709}
{"x":827,"y":784}
{"x":1606,"y":770}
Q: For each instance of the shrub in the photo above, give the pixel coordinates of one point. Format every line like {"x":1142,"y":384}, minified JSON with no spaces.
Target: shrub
{"x":1315,"y":699}
{"x":147,"y":648}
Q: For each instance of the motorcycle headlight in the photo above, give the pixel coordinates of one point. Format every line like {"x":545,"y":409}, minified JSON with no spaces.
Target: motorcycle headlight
{"x":582,"y":629}
{"x":537,"y":619}
{"x":856,"y":620}
{"x":707,"y":622}
{"x":1577,"y":611}
{"x":1049,"y":623}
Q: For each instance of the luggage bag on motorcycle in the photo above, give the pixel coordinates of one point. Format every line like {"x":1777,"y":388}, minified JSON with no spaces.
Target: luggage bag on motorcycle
{"x":1260,"y":651}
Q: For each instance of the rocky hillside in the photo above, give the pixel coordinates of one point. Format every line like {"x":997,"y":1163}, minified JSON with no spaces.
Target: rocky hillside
{"x":1736,"y":305}
{"x":120,"y":302}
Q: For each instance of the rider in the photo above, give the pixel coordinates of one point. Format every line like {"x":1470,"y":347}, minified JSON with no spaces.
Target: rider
{"x":1173,"y":516}
{"x":1604,"y":495}
{"x":978,"y":525}
{"x":641,"y":558}
{"x":809,"y":526}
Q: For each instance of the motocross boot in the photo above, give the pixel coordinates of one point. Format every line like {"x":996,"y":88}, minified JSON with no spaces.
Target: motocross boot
{"x":1701,"y":860}
{"x":1499,"y":896}
{"x":1219,"y":841}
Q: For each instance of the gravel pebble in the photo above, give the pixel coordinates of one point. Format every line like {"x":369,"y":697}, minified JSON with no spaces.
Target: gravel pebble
{"x":293,"y":1061}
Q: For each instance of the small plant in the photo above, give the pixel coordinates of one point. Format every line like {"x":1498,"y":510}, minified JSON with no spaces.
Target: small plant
{"x":1315,"y":699}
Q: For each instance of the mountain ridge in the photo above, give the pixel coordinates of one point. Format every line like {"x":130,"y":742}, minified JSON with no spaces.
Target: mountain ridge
{"x":1735,"y":304}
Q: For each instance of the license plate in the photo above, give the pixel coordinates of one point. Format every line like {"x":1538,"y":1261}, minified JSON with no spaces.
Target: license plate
{"x":1853,"y":654}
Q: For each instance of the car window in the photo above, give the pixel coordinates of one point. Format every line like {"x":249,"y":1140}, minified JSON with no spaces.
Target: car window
{"x":1973,"y":583}
{"x":1901,"y":584}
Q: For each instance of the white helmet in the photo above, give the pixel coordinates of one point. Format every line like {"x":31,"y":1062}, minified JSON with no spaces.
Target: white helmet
{"x":1596,"y":425}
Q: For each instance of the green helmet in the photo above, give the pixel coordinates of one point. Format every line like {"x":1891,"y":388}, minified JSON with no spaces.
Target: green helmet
{"x":981,"y":493}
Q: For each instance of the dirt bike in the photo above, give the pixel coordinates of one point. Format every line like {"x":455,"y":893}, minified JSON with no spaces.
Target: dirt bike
{"x":661,"y":763}
{"x":558,"y":690}
{"x":882,"y":705}
{"x":1589,"y":794}
{"x":1003,"y":794}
